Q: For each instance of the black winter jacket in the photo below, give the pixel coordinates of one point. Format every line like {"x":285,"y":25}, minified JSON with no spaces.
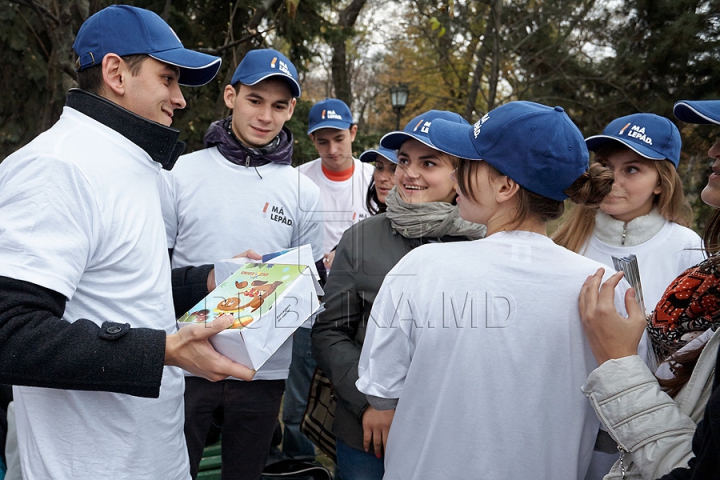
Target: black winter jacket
{"x":39,"y":349}
{"x":81,"y":355}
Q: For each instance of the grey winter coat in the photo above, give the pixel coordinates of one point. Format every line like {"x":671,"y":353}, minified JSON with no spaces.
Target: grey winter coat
{"x":654,"y":430}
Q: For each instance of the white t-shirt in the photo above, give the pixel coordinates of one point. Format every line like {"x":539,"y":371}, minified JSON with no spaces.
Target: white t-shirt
{"x":83,"y":218}
{"x":343,"y":203}
{"x":215,"y":209}
{"x":661,"y":259}
{"x":482,"y":343}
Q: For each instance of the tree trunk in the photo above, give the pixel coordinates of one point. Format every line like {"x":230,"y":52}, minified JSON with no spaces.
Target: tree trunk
{"x":62,"y":20}
{"x":494,"y":77}
{"x":339,"y":62}
{"x":490,"y":46}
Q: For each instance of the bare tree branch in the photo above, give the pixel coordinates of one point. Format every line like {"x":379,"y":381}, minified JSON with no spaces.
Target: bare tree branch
{"x":247,"y":38}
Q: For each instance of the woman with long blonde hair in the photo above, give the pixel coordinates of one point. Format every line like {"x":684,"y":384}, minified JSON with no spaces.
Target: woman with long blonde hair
{"x":646,"y":215}
{"x":652,"y":418}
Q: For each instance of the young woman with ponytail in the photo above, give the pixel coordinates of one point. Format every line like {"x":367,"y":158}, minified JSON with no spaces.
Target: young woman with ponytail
{"x":477,"y":346}
{"x":653,"y":421}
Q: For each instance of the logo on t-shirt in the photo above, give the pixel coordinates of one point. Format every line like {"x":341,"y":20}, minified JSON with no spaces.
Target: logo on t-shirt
{"x":277,"y":214}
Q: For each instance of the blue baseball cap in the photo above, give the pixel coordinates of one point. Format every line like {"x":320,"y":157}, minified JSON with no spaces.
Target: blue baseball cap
{"x":418,"y":128}
{"x":537,"y":146}
{"x":649,"y":135}
{"x":125,"y":30}
{"x":257,"y":65}
{"x":702,"y":112}
{"x":329,"y":113}
{"x":372,"y":154}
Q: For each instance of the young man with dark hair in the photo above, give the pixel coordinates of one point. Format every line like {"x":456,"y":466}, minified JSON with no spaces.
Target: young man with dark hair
{"x":343,"y":179}
{"x":89,"y":337}
{"x":240,"y":193}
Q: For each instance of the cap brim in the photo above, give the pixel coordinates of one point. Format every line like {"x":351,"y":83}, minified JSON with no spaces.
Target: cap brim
{"x":368,"y":156}
{"x":454,"y":139}
{"x":335,"y":124}
{"x":702,"y":112}
{"x":388,"y":153}
{"x":597,"y":141}
{"x":371,"y":155}
{"x":294,"y":85}
{"x":394,"y":140}
{"x":196,"y":69}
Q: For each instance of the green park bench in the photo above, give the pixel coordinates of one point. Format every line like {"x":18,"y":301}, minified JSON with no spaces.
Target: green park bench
{"x":210,"y":464}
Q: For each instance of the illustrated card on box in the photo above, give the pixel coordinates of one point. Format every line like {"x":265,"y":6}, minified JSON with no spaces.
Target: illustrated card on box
{"x":301,"y":255}
{"x":268,"y":301}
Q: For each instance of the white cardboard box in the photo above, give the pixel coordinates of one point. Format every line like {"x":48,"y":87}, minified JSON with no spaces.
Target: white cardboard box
{"x":269,"y":301}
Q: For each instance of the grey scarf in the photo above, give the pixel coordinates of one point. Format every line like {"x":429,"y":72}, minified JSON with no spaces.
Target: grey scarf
{"x":431,"y":219}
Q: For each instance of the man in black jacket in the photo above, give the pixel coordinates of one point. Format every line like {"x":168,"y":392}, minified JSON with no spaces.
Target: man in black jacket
{"x":86,"y":319}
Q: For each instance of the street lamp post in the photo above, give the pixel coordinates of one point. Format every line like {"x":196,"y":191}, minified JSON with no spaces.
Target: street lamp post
{"x":398,"y":99}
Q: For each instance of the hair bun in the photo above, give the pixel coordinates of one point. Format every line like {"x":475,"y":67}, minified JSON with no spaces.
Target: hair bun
{"x":592,"y":186}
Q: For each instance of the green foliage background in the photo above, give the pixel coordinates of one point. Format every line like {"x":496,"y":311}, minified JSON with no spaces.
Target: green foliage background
{"x":597,"y":59}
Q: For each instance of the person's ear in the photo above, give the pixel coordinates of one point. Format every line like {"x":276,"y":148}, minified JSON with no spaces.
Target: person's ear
{"x":506,"y":188}
{"x":353,"y":132}
{"x":229,"y":95}
{"x":291,"y":108}
{"x":658,"y":187}
{"x":113,"y":71}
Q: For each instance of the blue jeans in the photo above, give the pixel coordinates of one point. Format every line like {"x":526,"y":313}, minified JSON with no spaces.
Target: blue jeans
{"x":297,"y":387}
{"x":353,"y":464}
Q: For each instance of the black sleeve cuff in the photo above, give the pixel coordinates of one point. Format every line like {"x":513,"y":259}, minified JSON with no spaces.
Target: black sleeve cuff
{"x":189,"y":286}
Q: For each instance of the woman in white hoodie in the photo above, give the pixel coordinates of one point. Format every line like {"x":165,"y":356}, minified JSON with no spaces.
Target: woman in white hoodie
{"x":646,"y":214}
{"x":653,"y":421}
